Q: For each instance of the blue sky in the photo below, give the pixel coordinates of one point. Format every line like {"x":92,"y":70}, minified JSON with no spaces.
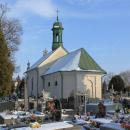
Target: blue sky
{"x":102,"y":27}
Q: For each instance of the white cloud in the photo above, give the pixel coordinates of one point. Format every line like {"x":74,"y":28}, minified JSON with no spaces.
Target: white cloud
{"x":84,"y":2}
{"x":80,"y":2}
{"x":43,"y":8}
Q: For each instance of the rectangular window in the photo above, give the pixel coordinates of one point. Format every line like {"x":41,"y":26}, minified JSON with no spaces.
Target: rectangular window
{"x":49,"y":84}
{"x":56,"y":83}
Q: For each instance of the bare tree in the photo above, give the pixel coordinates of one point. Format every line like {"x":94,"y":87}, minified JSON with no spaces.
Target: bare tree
{"x":12,"y":30}
{"x":126,"y":77}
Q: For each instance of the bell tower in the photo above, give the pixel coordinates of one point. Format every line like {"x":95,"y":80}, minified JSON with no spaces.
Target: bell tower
{"x":57,"y":34}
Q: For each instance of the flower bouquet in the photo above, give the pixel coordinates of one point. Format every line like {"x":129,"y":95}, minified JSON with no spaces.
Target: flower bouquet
{"x":35,"y":125}
{"x":126,"y":126}
{"x":93,"y":124}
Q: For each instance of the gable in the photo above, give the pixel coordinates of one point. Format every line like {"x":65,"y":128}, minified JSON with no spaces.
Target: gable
{"x":48,"y":58}
{"x":58,"y":53}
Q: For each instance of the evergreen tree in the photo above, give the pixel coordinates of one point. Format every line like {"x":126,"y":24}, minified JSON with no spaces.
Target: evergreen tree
{"x":117,"y":83}
{"x":6,"y":67}
{"x":12,"y":31}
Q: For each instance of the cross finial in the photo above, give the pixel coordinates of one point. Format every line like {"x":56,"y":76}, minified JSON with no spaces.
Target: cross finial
{"x":28,"y":65}
{"x":57,"y":14}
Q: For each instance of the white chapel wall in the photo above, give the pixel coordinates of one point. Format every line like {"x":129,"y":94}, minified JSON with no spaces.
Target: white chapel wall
{"x":69,"y":84}
{"x":32,"y":83}
{"x":55,"y":90}
{"x":41,"y":81}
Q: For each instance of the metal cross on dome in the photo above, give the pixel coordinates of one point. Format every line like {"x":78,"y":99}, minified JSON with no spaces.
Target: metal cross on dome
{"x":57,"y":14}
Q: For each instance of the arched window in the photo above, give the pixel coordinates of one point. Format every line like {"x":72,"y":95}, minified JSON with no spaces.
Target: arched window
{"x":57,"y":36}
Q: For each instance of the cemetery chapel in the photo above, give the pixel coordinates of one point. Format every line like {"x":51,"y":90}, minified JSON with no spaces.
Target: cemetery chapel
{"x":64,"y":74}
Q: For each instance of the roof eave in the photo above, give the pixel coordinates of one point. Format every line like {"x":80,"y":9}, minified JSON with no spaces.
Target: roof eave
{"x":92,"y":71}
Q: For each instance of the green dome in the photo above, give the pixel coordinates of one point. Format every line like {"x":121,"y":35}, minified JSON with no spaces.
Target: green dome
{"x":57,"y":23}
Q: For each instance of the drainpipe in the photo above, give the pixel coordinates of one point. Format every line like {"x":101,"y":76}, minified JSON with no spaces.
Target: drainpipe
{"x":37,"y":87}
{"x":61,"y":85}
